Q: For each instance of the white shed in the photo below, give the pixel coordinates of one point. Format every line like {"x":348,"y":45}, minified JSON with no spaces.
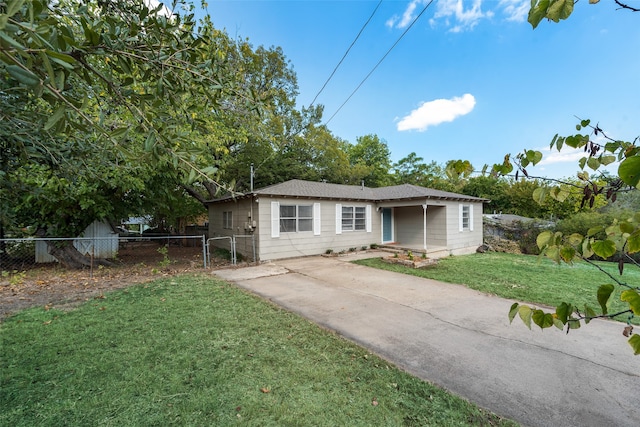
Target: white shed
{"x":98,"y":239}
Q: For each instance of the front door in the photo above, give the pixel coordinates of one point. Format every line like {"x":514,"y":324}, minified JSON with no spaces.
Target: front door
{"x":387,"y":225}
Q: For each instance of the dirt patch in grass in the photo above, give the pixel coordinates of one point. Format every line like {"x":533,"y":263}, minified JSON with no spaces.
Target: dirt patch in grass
{"x":51,"y":286}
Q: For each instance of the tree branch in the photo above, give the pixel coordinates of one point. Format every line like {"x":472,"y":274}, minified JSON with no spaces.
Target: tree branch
{"x":195,"y":194}
{"x":607,"y":273}
{"x":625,"y":6}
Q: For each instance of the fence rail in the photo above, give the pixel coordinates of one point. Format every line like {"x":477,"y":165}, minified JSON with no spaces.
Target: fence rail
{"x":233,"y":246}
{"x":19,"y":255}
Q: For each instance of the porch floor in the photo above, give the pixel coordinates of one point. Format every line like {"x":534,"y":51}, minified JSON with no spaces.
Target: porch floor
{"x":432,"y":251}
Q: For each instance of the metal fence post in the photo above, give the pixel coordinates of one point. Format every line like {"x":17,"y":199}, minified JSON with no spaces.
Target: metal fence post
{"x":204,"y":251}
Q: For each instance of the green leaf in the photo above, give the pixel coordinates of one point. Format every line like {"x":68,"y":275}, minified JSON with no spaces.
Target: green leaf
{"x":612,"y":147}
{"x":192,"y":176}
{"x":539,"y":194}
{"x":557,"y":323}
{"x":560,"y":9}
{"x":634,"y":342}
{"x":604,"y":293}
{"x":55,"y":117}
{"x":633,"y":242}
{"x":575,"y":239}
{"x":543,"y":239}
{"x":582,"y":162}
{"x":627,"y":227}
{"x":61,"y":59}
{"x":513,"y":311}
{"x":560,"y":193}
{"x":607,"y":160}
{"x":594,"y":230}
{"x":14,"y":6}
{"x":26,"y":77}
{"x":573,"y":323}
{"x":542,"y":319}
{"x":534,"y":156}
{"x":587,"y":252}
{"x":563,"y":311}
{"x":48,"y":67}
{"x":525,"y":314}
{"x":604,"y":248}
{"x":631,"y":296}
{"x":593,"y":163}
{"x":629,"y":171}
{"x":119,"y":132}
{"x":537,"y":12}
{"x":589,"y":314}
{"x":567,"y":253}
{"x":150,"y":142}
{"x":553,"y":253}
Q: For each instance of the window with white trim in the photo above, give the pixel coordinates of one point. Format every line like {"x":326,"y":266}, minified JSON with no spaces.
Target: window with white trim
{"x":296,"y":218}
{"x":465,"y":217}
{"x":354,"y":218}
{"x":227,"y":219}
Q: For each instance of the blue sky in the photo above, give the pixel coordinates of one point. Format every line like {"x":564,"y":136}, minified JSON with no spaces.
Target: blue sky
{"x":470,"y":79}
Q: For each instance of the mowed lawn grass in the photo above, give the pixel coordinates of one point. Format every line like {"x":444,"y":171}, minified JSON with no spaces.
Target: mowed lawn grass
{"x":192,"y":350}
{"x":525,"y":278}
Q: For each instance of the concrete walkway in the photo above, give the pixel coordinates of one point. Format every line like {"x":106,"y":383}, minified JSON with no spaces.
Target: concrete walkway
{"x":461,"y":340}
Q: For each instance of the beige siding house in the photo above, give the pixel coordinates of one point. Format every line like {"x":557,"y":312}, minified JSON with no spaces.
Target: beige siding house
{"x":298,"y":218}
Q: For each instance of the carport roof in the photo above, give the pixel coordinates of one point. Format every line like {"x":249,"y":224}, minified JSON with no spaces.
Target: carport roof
{"x":297,"y":188}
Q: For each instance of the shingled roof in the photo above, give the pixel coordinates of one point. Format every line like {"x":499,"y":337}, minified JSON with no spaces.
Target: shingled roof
{"x":297,"y":188}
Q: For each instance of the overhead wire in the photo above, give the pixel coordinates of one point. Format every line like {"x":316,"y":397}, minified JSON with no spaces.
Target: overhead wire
{"x":332,"y":73}
{"x":379,"y":62}
{"x":345,"y":54}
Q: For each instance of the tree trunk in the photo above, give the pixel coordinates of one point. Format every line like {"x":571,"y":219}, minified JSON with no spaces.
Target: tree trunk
{"x":70,"y":257}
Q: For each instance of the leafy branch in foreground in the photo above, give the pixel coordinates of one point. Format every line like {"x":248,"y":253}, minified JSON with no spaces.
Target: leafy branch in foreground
{"x":557,"y":10}
{"x":621,"y":237}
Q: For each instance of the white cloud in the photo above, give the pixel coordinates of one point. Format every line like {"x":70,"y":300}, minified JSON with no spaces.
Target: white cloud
{"x":567,"y":155}
{"x":407,"y":16}
{"x":515,"y":10}
{"x":433,"y":113}
{"x":464,"y":18}
{"x":463,"y":15}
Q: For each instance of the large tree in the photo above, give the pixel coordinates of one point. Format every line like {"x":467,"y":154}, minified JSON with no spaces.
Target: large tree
{"x":371,"y":154}
{"x":99,"y":98}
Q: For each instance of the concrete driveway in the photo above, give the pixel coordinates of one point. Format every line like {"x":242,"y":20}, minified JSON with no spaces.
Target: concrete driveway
{"x":461,"y":340}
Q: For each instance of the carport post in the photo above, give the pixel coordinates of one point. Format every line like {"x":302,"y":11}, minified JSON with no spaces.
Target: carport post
{"x":424,"y":228}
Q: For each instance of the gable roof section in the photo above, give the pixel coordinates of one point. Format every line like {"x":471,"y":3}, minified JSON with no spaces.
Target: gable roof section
{"x":297,"y":188}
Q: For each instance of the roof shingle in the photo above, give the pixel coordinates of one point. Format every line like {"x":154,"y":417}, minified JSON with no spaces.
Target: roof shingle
{"x":323,"y":190}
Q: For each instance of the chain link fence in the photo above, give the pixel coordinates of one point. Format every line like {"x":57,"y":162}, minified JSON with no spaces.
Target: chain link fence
{"x":31,"y":276}
{"x":19,"y":257}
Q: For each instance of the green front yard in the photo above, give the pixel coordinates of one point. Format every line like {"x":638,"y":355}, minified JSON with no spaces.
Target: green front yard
{"x":191,"y":350}
{"x":525,"y":278}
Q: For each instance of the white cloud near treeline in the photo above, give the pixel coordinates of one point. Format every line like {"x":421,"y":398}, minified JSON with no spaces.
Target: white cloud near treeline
{"x":433,"y":113}
{"x":568,"y":155}
{"x":462,"y":15}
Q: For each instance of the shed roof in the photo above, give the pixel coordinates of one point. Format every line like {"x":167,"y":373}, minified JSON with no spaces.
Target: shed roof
{"x":297,"y":188}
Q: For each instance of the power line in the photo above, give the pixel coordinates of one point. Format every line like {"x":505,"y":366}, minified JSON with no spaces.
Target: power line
{"x":345,"y":54}
{"x":379,"y":62}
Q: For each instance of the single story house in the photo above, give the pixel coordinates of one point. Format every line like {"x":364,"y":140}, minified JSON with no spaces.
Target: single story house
{"x":299,"y":218}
